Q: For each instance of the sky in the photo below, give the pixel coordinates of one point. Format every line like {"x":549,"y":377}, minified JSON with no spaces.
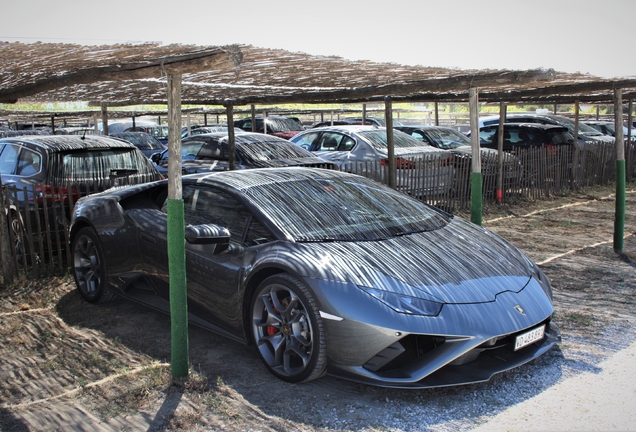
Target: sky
{"x":595,"y":37}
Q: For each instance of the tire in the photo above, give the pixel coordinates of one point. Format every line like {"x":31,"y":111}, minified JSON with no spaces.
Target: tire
{"x":89,"y":268}
{"x":19,"y":237}
{"x":288,"y":332}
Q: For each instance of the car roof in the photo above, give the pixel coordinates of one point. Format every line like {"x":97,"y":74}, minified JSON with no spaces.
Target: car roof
{"x":532,"y":126}
{"x":58,"y":143}
{"x":243,"y":179}
{"x":345,"y":128}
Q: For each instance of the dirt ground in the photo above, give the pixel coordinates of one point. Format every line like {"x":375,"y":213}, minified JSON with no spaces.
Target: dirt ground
{"x":69,"y":365}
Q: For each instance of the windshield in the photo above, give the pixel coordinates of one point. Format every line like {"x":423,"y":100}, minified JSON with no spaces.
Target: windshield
{"x":282,"y":125}
{"x":447,"y":138}
{"x":377,"y":138}
{"x":100,"y":166}
{"x":337,"y":209}
{"x":260,"y":149}
{"x":583,"y":128}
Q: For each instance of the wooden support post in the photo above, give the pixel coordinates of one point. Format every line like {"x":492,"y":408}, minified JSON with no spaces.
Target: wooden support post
{"x":253,"y":118}
{"x":176,"y":235}
{"x":619,"y":219}
{"x":364,"y":113}
{"x":597,"y":112}
{"x":436,"y":114}
{"x":53,"y":125}
{"x":555,"y":109}
{"x":630,"y":119}
{"x":576,"y":157}
{"x":134,"y":122}
{"x":500,"y":142}
{"x":188,"y":123}
{"x":104,"y":108}
{"x":230,"y":134}
{"x":476,"y":204}
{"x":388,"y":120}
{"x":205,"y":119}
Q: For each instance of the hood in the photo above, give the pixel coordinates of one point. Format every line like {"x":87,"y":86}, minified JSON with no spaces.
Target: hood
{"x":460,"y":263}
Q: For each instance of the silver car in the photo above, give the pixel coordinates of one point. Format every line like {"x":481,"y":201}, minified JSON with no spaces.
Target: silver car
{"x":422,"y":170}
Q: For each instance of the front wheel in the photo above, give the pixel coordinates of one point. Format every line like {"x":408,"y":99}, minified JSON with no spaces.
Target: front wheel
{"x":287,"y":329}
{"x":89,"y":267}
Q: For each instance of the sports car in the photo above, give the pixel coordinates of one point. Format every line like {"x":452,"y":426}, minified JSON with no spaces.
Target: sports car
{"x":324,"y":272}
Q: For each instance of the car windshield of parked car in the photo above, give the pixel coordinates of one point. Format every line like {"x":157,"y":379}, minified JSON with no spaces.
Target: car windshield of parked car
{"x":447,"y":138}
{"x":282,"y":125}
{"x":81,"y":166}
{"x":583,"y":128}
{"x":143,"y":141}
{"x":251,"y":151}
{"x":377,"y":138}
{"x":336,"y":209}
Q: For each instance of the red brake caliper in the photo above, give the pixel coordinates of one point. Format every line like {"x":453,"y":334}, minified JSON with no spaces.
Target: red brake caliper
{"x":271,"y":330}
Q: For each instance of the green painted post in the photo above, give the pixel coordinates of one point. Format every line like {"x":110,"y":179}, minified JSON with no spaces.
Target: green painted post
{"x":176,"y":235}
{"x":619,"y":217}
{"x":178,"y":290}
{"x":619,"y":220}
{"x":476,"y":188}
{"x":476,"y":204}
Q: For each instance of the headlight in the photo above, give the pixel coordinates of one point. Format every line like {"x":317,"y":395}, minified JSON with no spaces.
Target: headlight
{"x":536,"y":273}
{"x":405,"y":304}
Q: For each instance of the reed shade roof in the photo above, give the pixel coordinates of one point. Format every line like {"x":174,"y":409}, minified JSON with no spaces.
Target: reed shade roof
{"x":128,"y":74}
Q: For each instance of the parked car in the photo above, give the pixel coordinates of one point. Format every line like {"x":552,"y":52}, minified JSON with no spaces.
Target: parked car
{"x":210,"y":152}
{"x":199,"y":130}
{"x":459,"y":144}
{"x":586,"y":133}
{"x":525,"y":135}
{"x":354,"y":148}
{"x":58,"y":168}
{"x":324,"y":272}
{"x":145,"y":142}
{"x":342,"y":121}
{"x":282,"y":127}
{"x":156,"y":130}
{"x":608,"y":128}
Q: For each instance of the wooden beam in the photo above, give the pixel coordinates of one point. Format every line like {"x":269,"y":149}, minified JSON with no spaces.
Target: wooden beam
{"x":216,"y":59}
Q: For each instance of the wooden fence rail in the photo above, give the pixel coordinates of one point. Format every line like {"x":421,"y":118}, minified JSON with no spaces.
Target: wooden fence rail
{"x":39,"y":217}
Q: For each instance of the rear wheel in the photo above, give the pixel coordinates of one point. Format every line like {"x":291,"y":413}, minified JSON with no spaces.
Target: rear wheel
{"x":287,"y":329}
{"x":89,"y":267}
{"x":18,"y":235}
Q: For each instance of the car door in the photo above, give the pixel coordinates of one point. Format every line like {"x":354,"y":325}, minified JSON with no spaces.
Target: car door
{"x":213,"y":277}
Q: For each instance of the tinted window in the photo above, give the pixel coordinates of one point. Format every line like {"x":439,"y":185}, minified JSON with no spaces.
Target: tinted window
{"x":377,"y":138}
{"x":306,"y":140}
{"x":29,"y":163}
{"x":99,"y":164}
{"x":9,"y":158}
{"x":447,"y":138}
{"x":204,"y":205}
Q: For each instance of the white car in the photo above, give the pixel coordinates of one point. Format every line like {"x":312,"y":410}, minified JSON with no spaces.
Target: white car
{"x":422,"y":170}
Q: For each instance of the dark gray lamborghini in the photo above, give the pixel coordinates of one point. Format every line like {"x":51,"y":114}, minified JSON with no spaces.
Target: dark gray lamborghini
{"x":324,"y":272}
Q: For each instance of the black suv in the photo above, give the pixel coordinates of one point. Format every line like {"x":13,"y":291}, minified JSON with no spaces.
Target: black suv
{"x":525,"y":135}
{"x":47,"y":173}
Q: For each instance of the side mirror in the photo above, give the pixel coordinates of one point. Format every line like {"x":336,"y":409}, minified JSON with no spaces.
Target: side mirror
{"x":155,"y":157}
{"x":208,"y":234}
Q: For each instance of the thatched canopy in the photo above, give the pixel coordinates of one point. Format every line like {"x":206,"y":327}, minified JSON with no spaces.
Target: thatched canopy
{"x":121,"y":75}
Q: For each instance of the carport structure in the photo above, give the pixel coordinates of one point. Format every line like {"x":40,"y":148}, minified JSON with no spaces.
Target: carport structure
{"x":236,"y":75}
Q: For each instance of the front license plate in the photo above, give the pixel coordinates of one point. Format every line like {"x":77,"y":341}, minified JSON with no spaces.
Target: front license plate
{"x":529,"y":337}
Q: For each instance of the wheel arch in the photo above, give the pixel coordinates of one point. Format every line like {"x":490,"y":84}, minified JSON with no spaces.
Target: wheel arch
{"x":253,"y":282}
{"x":78,"y":225}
